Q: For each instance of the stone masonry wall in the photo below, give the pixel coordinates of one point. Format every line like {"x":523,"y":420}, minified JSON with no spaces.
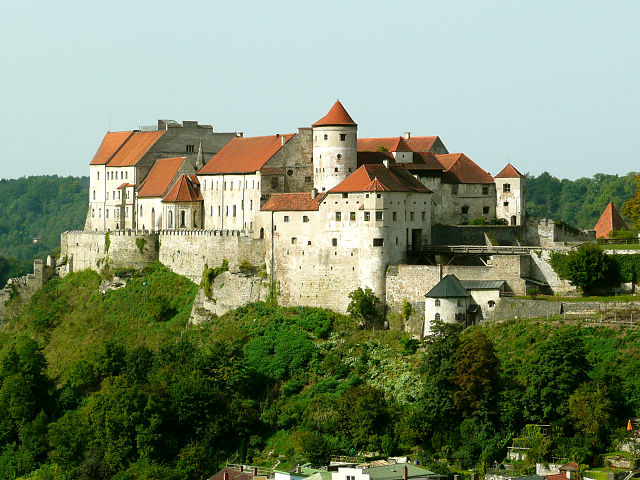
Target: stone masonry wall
{"x":88,"y":250}
{"x":187,"y":252}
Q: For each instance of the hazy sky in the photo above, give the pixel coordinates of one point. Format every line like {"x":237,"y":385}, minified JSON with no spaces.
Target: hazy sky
{"x":549,"y":85}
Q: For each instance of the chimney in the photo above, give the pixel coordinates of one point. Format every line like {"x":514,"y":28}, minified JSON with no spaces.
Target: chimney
{"x":284,"y":139}
{"x":405,"y":472}
{"x":226,"y":475}
{"x":407,"y":135}
{"x":255,"y":471}
{"x":385,"y":162}
{"x":314,"y":193}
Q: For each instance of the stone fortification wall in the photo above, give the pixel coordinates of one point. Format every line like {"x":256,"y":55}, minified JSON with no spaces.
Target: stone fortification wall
{"x":475,"y":234}
{"x":23,"y":288}
{"x":542,"y":271}
{"x":412,"y":282}
{"x":187,"y":252}
{"x":89,"y":250}
{"x":547,"y":233}
{"x":512,"y":308}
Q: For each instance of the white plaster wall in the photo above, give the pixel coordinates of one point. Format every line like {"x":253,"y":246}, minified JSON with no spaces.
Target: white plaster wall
{"x":326,"y":152}
{"x":223,"y":193}
{"x":514,"y":198}
{"x":145,"y":207}
{"x":448,"y":309}
{"x":343,"y":472}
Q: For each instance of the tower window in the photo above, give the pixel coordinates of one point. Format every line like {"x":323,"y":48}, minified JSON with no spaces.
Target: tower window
{"x":334,"y":242}
{"x":335,"y":169}
{"x":506,"y":187}
{"x":485,"y":190}
{"x":190,"y":148}
{"x":378,"y":215}
{"x":307,"y":179}
{"x":343,"y":137}
{"x":286,"y":218}
{"x":485,"y":210}
{"x":338,"y":216}
{"x":437,"y":317}
{"x":326,"y":136}
{"x":395,"y":216}
{"x":454,"y":189}
{"x":352,"y":216}
{"x":367,"y":216}
{"x":378,"y":242}
{"x":505,"y":204}
{"x":465,"y":210}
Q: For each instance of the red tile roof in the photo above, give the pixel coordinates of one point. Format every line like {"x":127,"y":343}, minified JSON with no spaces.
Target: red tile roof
{"x":461,"y":169}
{"x":244,"y":154}
{"x":374,"y":157}
{"x":111,"y":142}
{"x":509,"y":172}
{"x":125,"y":185}
{"x":424,"y":161}
{"x":415,"y":144}
{"x":292,"y":202}
{"x":558,"y":476}
{"x":395,"y":179}
{"x":232,"y":474}
{"x":135,"y":148}
{"x":609,"y":220}
{"x":337,"y":116}
{"x":183,"y":191}
{"x":160,"y":177}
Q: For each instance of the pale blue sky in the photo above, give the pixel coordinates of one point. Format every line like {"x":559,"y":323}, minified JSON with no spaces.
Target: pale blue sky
{"x":549,"y":85}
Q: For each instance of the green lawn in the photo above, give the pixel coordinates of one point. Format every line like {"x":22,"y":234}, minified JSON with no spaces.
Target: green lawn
{"x":621,"y":246}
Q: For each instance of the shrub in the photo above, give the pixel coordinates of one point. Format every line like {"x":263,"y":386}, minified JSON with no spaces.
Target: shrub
{"x":587,"y":267}
{"x":107,"y":242}
{"x":363,"y":305}
{"x":210,"y":274}
{"x":478,"y":221}
{"x":141,"y":243}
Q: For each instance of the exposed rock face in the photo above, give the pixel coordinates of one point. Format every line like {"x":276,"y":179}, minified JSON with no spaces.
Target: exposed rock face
{"x":229,"y":290}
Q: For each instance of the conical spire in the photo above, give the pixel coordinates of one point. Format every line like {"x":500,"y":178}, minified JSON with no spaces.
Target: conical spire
{"x":199,"y":158}
{"x":609,"y":220}
{"x":338,"y":115}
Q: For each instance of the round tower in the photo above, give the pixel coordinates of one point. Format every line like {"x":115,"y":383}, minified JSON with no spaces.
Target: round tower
{"x":335,"y":151}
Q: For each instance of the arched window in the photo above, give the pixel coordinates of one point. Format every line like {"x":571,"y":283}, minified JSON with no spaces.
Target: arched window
{"x":182,"y":219}
{"x":437,"y":302}
{"x":94,"y":194}
{"x":261,"y":232}
{"x":170,"y":219}
{"x":491,"y":304}
{"x":437,"y":317}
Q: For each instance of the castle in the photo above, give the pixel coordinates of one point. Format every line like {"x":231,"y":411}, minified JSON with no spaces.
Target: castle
{"x":321,"y":212}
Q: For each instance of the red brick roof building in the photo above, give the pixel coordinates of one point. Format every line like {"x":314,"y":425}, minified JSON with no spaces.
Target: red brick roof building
{"x":609,"y":220}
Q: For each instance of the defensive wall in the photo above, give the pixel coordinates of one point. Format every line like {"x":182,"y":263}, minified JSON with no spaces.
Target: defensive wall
{"x":118,"y":249}
{"x":187,"y":252}
{"x":25,"y":287}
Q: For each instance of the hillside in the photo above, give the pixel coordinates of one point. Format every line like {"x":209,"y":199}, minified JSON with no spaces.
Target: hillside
{"x":117,"y":385}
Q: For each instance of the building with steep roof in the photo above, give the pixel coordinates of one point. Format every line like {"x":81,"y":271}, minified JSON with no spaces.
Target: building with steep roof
{"x":511,"y":191}
{"x":609,"y":221}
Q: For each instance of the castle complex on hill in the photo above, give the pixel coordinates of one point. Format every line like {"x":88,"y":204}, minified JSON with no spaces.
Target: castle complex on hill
{"x":319,"y":213}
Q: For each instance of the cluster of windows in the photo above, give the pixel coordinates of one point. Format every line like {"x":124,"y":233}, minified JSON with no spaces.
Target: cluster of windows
{"x":343,"y":138}
{"x":124,"y":175}
{"x":248,"y":184}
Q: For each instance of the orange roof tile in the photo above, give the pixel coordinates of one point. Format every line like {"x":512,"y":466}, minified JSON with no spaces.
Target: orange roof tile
{"x":376,"y":186}
{"x":337,"y":116}
{"x":509,"y":172}
{"x":395,"y":179}
{"x":558,"y":476}
{"x":125,"y":185}
{"x":135,"y":148}
{"x":414,"y":144}
{"x":111,"y":143}
{"x":461,"y":169}
{"x":160,"y":177}
{"x":609,"y":220}
{"x":244,"y":154}
{"x":183,"y":191}
{"x":424,"y":161}
{"x":292,"y":202}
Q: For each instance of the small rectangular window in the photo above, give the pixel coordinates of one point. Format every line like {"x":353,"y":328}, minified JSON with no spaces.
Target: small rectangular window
{"x":378,"y":216}
{"x":294,"y":240}
{"x":367,"y":216}
{"x":286,"y":218}
{"x":485,"y":190}
{"x":378,"y":242}
{"x":274,"y":183}
{"x":334,"y":242}
{"x":454,"y":189}
{"x":345,"y":195}
{"x":226,"y":210}
{"x":250,"y":204}
{"x":485,"y":210}
{"x":234,"y":210}
{"x":326,"y":136}
{"x":343,"y":137}
{"x":506,"y":187}
{"x":307,"y":179}
{"x":411,"y":216}
{"x":190,"y":148}
{"x":305,"y":219}
{"x":506,"y":204}
{"x":338,"y":216}
{"x":395,"y":216}
{"x":465,"y":210}
{"x":424,"y":216}
{"x":378,"y":195}
{"x":352,"y":216}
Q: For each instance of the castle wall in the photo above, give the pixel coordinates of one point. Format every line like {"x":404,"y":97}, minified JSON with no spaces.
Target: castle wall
{"x":475,"y":234}
{"x":87,"y":250}
{"x":187,"y":252}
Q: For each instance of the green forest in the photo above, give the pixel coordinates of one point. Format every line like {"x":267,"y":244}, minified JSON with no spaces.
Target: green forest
{"x":119,"y":386}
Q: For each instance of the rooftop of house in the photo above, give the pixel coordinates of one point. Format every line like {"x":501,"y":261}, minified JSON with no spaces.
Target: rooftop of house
{"x":458,"y":168}
{"x":609,"y":220}
{"x":449,"y":287}
{"x":134,"y":148}
{"x":160,"y":177}
{"x":110,"y":145}
{"x":376,"y":177}
{"x":509,"y":172}
{"x":245,"y":154}
{"x":184,"y":190}
{"x":395,"y":471}
{"x":337,"y":115}
{"x":293,"y":202}
{"x":396,"y":144}
{"x":482,"y":284}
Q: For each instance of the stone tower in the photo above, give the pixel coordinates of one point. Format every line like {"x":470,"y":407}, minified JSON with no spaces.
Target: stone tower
{"x":335,"y":138}
{"x":510,"y":190}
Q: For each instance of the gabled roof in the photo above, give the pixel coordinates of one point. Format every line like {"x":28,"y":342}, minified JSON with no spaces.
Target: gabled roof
{"x":160,"y":177}
{"x":111,"y":142}
{"x":338,"y":115}
{"x":482,"y":284}
{"x":424,"y":161}
{"x":125,"y":185}
{"x":233,"y":474}
{"x":394,"y":179}
{"x":509,"y":172}
{"x":609,"y":220}
{"x":244,"y":154}
{"x":449,"y":286}
{"x":135,"y":148}
{"x":292,"y":202}
{"x":392,"y":144}
{"x":461,"y":169}
{"x":183,"y":191}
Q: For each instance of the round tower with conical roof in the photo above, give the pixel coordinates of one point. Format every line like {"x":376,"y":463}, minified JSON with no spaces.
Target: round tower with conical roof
{"x":335,"y":139}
